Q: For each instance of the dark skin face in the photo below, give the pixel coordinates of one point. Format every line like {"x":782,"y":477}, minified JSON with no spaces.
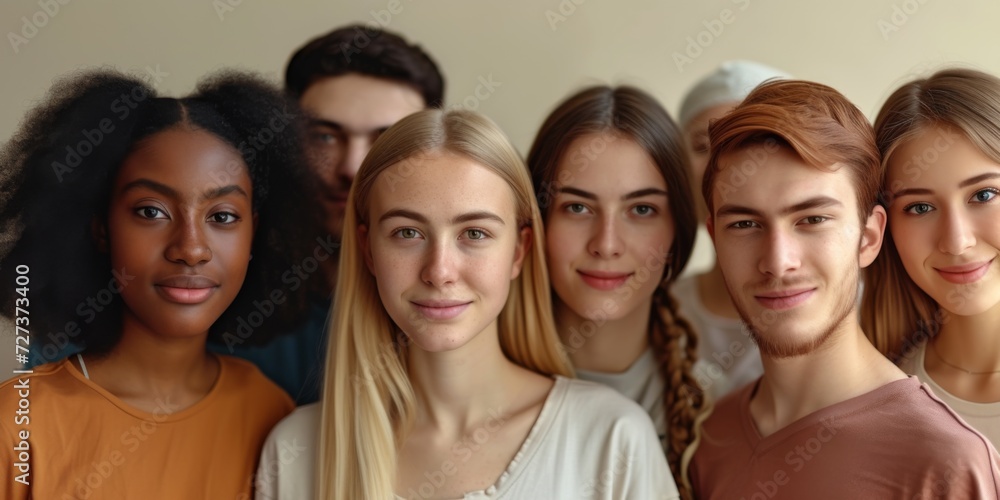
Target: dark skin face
{"x":180,"y":220}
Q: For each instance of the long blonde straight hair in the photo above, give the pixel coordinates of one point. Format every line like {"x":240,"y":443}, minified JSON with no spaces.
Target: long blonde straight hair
{"x":895,"y":313}
{"x":368,"y":402}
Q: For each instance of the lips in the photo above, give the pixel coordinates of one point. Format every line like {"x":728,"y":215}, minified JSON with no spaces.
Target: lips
{"x":965,"y":273}
{"x":335,"y":196}
{"x":784,"y":299}
{"x":603,"y":280}
{"x":440,"y":309}
{"x":186,"y":289}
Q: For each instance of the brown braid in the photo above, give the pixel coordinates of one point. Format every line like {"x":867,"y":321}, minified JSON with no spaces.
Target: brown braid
{"x":683,"y":398}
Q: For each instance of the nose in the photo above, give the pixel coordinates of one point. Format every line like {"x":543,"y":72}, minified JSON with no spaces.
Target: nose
{"x":781,"y":254}
{"x":188,"y":244}
{"x":957,"y":235}
{"x":442,"y":265}
{"x":355,"y":150}
{"x":606,"y":242}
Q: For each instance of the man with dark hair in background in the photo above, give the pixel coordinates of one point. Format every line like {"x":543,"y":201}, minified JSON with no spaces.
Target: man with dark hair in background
{"x":352,"y":83}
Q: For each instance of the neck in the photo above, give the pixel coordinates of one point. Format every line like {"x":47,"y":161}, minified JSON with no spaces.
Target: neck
{"x":609,"y":346}
{"x":844,"y":367}
{"x":971,"y":342}
{"x":148,"y":367}
{"x":457,"y":389}
{"x":714,"y":295}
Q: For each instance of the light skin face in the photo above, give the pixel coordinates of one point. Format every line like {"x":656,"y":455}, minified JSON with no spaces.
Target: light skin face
{"x":696,"y":146}
{"x":184,"y":234}
{"x":346,"y":114}
{"x":945,"y":219}
{"x":790,"y":246}
{"x":608,"y":231}
{"x":443,"y":259}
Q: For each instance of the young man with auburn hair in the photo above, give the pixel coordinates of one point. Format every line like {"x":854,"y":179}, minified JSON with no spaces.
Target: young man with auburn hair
{"x":791,"y":188}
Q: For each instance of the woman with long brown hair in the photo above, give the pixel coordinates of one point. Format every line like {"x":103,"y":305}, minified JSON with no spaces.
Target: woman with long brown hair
{"x":610,"y":171}
{"x":932,"y":297}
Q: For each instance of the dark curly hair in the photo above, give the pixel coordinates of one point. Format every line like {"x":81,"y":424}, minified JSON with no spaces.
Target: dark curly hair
{"x":368,"y":51}
{"x":56,"y":175}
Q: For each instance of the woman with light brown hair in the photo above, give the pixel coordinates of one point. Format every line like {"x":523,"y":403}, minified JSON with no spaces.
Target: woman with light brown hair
{"x":610,"y":171}
{"x":932,"y":297}
{"x":444,"y":377}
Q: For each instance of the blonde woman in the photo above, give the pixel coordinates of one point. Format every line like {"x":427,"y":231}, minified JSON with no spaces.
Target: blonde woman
{"x":933,"y":303}
{"x":445,"y":378}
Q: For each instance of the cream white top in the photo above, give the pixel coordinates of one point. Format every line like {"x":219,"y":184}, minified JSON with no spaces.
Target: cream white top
{"x":727,"y":357}
{"x":984,"y":417}
{"x":589,"y":442}
{"x":641,"y":383}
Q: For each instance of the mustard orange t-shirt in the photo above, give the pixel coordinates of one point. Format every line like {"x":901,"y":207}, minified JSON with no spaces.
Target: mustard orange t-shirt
{"x":66,"y":438}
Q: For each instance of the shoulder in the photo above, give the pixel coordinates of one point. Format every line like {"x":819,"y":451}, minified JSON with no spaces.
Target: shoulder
{"x":594,"y":409}
{"x":724,"y":428}
{"x":302,"y":424}
{"x":289,"y":456}
{"x":585,"y":395}
{"x":45,"y":381}
{"x":929,"y":417}
{"x":244,"y":377}
{"x":949,"y":448}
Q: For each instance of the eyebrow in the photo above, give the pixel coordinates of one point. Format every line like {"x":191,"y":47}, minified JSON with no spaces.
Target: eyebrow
{"x":171,"y":192}
{"x":966,"y":183}
{"x":811,"y":203}
{"x":627,"y":196}
{"x":458,"y":219}
{"x":313,"y":122}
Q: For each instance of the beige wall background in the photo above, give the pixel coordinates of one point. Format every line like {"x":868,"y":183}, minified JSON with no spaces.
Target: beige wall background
{"x":534,"y":51}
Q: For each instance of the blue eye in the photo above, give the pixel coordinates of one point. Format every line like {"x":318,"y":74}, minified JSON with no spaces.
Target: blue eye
{"x":984,"y":195}
{"x":576,"y":208}
{"x":918,"y":208}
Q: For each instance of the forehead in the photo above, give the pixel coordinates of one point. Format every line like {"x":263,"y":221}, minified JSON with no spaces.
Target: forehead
{"x":441,"y":184}
{"x":702,"y":120}
{"x":770,"y":180}
{"x":936,"y":157}
{"x":184,"y":156}
{"x":607,"y":163}
{"x":360,"y":103}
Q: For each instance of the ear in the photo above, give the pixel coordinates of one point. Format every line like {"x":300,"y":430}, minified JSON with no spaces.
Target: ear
{"x":99,"y":231}
{"x":524,"y":240}
{"x":871,"y":236}
{"x":365,"y":245}
{"x":710,"y":227}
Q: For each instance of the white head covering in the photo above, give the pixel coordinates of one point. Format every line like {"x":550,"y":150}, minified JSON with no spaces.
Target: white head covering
{"x":731,"y":82}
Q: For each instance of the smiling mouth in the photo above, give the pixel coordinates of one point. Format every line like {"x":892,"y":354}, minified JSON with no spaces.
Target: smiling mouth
{"x":440,"y":309}
{"x":784,"y":299}
{"x":967,"y":273}
{"x":604,"y":280}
